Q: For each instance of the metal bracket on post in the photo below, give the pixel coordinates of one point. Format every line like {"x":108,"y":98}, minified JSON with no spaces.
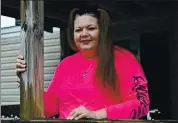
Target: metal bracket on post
{"x":149,"y":117}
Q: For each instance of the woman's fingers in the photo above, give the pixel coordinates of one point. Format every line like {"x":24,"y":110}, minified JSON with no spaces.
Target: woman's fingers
{"x":80,"y":112}
{"x":19,"y":65}
{"x":72,"y":114}
{"x":20,"y":57}
{"x":20,"y":70}
{"x":81,"y":116}
{"x":21,"y":61}
{"x":76,"y":114}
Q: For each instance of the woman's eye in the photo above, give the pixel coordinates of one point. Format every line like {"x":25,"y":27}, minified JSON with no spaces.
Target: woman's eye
{"x":91,"y":28}
{"x":77,"y":30}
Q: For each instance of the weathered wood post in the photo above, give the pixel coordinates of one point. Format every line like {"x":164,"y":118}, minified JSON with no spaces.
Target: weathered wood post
{"x":32,"y":48}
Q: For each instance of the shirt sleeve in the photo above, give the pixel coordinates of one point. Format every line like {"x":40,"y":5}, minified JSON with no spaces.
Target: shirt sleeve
{"x":135,"y":102}
{"x":50,"y":95}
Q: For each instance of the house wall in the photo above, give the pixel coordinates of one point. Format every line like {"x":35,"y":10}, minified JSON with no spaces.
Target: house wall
{"x":10,"y":48}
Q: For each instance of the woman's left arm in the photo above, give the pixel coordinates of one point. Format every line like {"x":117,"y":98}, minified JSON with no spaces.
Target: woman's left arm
{"x":135,"y":105}
{"x":136,"y":100}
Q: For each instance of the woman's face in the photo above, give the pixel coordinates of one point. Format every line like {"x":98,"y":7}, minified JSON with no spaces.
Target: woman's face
{"x":86,"y":32}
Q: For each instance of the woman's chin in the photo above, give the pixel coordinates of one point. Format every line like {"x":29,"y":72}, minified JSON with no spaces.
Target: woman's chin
{"x":86,"y":47}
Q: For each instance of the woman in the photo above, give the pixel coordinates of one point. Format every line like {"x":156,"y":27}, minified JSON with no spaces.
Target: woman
{"x":99,"y":81}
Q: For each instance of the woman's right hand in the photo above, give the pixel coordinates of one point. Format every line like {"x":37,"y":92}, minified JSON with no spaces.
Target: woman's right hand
{"x":20,"y":65}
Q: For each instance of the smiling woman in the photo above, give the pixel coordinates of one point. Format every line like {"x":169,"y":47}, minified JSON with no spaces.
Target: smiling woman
{"x":86,"y":33}
{"x":99,"y":81}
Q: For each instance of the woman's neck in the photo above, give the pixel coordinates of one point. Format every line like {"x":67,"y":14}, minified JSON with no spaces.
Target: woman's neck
{"x":89,"y":54}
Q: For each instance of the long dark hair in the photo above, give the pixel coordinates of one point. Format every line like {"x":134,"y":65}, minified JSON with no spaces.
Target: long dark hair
{"x":105,"y":70}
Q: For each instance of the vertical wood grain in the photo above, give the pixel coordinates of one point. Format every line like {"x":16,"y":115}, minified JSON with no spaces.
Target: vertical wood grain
{"x":32,"y":48}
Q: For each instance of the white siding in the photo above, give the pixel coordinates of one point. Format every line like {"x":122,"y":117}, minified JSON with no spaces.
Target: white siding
{"x":10,"y":44}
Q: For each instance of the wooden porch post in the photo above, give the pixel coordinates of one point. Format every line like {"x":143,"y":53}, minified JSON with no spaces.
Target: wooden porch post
{"x":32,"y":48}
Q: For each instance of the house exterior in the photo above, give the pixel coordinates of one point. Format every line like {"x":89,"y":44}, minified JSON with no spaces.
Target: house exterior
{"x":10,"y":48}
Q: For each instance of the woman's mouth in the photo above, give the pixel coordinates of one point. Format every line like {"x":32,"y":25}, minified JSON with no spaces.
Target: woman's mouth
{"x":85,"y":41}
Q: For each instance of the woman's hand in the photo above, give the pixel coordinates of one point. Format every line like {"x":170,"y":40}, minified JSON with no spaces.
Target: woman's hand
{"x":82,"y":112}
{"x":20,"y":65}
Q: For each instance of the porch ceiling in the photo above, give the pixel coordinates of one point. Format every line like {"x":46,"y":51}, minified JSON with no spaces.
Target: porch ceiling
{"x":121,"y":11}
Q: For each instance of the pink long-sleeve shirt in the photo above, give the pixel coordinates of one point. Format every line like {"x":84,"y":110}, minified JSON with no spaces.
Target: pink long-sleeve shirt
{"x":69,"y":89}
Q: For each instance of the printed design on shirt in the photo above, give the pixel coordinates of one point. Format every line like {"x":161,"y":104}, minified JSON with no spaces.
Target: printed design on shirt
{"x":141,"y":94}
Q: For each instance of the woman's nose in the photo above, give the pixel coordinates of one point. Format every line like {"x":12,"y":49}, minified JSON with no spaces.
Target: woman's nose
{"x":84,"y":33}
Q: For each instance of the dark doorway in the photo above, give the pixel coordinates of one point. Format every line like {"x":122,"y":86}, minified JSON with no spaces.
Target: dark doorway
{"x":154,"y":55}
